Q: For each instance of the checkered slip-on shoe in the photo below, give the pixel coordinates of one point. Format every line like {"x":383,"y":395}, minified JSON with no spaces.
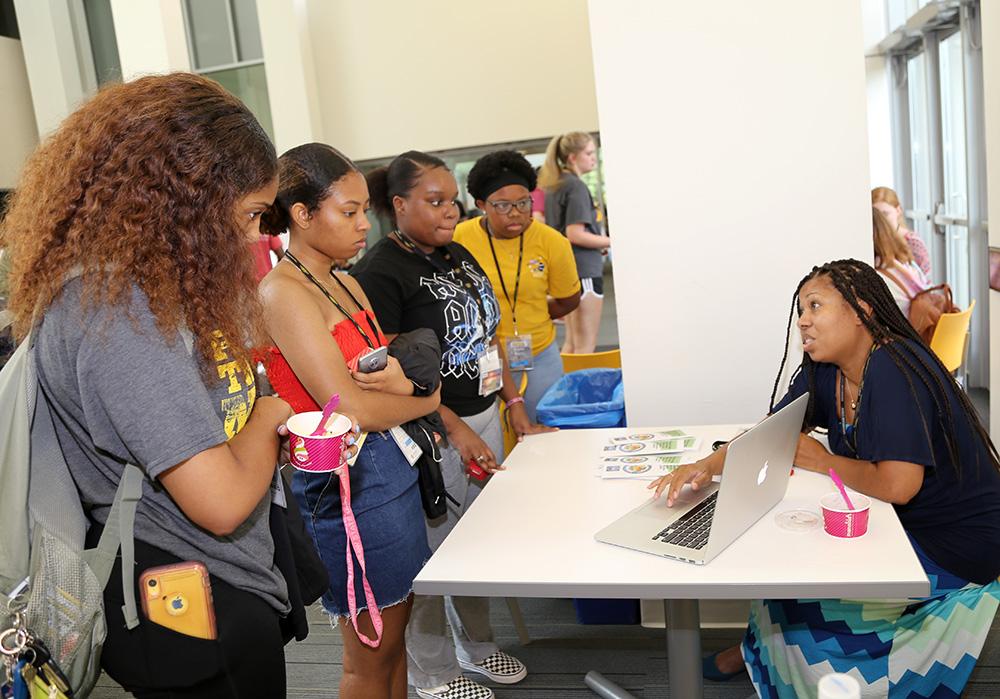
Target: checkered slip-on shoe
{"x":499,"y":667}
{"x":458,"y":688}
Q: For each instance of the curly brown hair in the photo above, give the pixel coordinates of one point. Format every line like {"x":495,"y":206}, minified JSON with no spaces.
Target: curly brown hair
{"x":140,"y":186}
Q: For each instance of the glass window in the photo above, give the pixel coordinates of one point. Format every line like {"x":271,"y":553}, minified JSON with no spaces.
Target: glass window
{"x":247,"y":30}
{"x":954,"y":162}
{"x":250,"y":85}
{"x":919,"y":152}
{"x":103,"y":42}
{"x":211,"y":33}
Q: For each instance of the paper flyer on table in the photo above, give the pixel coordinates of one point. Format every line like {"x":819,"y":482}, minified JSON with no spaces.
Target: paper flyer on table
{"x":639,"y":467}
{"x":652,"y":442}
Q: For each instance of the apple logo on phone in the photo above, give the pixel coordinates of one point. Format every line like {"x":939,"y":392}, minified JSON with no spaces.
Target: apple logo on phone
{"x":762,"y":474}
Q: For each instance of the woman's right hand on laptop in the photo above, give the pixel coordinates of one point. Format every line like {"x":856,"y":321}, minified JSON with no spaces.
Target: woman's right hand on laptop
{"x":698,"y":474}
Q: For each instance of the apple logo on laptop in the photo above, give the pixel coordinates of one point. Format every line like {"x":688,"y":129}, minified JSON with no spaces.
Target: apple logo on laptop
{"x":762,"y":474}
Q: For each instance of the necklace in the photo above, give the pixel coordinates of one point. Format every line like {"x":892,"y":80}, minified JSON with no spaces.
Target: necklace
{"x":852,"y":401}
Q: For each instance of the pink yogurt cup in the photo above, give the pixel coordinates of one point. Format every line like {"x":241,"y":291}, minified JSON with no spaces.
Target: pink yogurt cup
{"x":841,"y":522}
{"x":317,"y":454}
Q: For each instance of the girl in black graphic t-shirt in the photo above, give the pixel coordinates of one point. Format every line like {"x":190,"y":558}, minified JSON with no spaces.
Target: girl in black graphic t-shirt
{"x":417,"y":277}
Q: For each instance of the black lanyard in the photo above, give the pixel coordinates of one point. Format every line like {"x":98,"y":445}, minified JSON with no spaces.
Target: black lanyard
{"x":517,"y":281}
{"x":453,"y":266}
{"x":849,"y":432}
{"x":309,"y":275}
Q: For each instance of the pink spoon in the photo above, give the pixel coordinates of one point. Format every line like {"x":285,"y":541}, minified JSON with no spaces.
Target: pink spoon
{"x":840,"y":486}
{"x":328,"y":410}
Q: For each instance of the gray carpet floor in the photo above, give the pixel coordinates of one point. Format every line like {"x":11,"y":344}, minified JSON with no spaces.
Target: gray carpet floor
{"x":559,"y":655}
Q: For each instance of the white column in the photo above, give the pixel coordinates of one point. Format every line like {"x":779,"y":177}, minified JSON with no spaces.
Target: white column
{"x":58,"y":83}
{"x":290,"y":69}
{"x":991,"y":98}
{"x":878,"y":73}
{"x":151,"y":37}
{"x":736,"y":158}
{"x":19,"y":134}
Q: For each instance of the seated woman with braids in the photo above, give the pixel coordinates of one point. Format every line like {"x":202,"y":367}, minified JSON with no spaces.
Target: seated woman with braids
{"x":901,"y":430}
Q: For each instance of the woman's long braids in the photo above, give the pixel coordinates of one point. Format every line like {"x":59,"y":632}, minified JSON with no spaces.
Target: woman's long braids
{"x":858,"y":282}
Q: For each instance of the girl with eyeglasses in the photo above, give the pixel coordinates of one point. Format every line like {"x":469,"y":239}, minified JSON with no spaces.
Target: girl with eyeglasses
{"x":532,"y":270}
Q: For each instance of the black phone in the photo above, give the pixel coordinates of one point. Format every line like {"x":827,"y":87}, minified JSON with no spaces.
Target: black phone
{"x":375,"y":360}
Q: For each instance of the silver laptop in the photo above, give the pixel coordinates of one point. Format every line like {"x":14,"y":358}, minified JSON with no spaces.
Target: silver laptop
{"x":702,"y":523}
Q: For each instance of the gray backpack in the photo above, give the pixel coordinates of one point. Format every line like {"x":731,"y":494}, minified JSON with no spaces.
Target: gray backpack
{"x":47,"y":580}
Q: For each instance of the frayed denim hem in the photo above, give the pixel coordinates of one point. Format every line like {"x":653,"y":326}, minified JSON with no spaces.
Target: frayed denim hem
{"x":336,"y":618}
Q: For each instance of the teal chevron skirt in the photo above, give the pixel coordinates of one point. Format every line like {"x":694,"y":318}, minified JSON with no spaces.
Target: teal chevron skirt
{"x":901,"y":649}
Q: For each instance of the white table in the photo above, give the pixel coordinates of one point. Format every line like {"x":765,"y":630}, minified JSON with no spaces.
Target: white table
{"x":548,"y":504}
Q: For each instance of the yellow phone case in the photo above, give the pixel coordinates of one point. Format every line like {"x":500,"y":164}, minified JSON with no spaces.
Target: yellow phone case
{"x":179,"y":597}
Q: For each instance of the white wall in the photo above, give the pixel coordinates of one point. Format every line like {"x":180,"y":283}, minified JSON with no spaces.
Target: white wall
{"x":290,"y":69}
{"x":50,"y":57}
{"x":395,"y":75}
{"x":19,"y":134}
{"x":735,"y":144}
{"x":879,"y":94}
{"x":151,"y":37}
{"x":991,"y":106}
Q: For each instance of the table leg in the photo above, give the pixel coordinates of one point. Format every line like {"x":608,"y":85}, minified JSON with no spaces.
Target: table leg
{"x":683,"y":647}
{"x":605,"y":688}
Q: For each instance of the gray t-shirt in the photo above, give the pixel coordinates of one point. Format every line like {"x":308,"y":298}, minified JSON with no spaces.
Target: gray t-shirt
{"x":123,"y":393}
{"x":571,"y":203}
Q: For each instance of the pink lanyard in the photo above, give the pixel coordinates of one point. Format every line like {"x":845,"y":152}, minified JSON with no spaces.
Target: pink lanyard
{"x":354,"y":542}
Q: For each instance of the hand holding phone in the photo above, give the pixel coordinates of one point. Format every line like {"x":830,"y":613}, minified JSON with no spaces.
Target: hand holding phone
{"x":179,"y":597}
{"x":372,"y":361}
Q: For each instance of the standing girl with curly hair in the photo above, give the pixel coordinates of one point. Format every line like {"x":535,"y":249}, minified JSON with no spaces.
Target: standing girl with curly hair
{"x":130,"y":236}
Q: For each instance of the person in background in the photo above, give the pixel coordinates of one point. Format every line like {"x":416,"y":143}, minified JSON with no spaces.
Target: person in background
{"x":130,"y":235}
{"x":418,"y":277}
{"x":530,"y":266}
{"x":886,"y":201}
{"x":901,"y":430}
{"x":895,"y":263}
{"x":322,"y":202}
{"x":569,"y":208}
{"x":538,"y":200}
{"x":262,"y":249}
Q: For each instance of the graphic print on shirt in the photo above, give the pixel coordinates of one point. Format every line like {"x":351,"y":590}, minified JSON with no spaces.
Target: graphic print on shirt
{"x":464,"y":340}
{"x":242,"y":388}
{"x":537,"y":267}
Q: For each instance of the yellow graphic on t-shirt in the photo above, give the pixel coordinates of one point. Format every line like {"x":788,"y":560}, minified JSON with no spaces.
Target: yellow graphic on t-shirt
{"x":242,"y":393}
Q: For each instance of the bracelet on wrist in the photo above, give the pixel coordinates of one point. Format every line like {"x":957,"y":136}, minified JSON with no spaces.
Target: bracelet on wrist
{"x":514,"y":401}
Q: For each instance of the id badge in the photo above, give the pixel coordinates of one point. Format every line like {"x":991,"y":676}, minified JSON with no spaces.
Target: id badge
{"x":278,"y":490}
{"x":411,"y":450}
{"x":519,"y":357}
{"x":490,"y":371}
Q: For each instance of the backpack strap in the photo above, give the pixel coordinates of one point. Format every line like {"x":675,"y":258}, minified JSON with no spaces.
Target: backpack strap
{"x":119,"y":532}
{"x":906,"y":292}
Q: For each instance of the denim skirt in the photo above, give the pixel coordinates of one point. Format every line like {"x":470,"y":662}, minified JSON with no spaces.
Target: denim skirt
{"x":386,"y":505}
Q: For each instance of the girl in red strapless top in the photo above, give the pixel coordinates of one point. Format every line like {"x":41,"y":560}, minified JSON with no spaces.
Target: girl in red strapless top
{"x":351,"y":344}
{"x":320,"y":202}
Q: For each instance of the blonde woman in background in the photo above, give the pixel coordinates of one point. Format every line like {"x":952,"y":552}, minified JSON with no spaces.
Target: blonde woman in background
{"x":895,"y":264}
{"x":886,"y":201}
{"x":569,"y":208}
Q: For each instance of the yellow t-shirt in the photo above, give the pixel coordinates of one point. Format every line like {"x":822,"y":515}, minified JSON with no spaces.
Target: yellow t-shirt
{"x":547,"y":269}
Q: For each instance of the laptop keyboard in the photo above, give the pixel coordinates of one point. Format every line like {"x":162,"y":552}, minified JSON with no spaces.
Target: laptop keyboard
{"x":691,"y":530}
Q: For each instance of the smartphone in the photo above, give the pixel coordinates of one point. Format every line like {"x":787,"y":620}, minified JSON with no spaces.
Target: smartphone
{"x":179,"y":597}
{"x":375,"y":360}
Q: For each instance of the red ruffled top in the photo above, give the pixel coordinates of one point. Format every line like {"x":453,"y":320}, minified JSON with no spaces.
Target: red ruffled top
{"x":351,"y":344}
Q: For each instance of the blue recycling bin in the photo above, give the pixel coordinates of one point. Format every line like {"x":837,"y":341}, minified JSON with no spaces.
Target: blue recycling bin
{"x":581,"y":399}
{"x":585,"y":398}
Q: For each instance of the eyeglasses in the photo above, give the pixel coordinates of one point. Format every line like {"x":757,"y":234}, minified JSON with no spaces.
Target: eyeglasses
{"x":504,"y":207}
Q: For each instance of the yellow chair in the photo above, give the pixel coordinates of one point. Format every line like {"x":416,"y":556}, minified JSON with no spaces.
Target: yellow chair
{"x":950,"y":338}
{"x":612,"y":359}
